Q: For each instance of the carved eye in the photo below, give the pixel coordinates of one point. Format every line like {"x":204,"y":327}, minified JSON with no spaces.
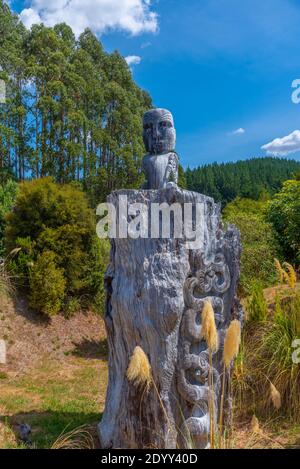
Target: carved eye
{"x":199,"y":376}
{"x":165,"y":124}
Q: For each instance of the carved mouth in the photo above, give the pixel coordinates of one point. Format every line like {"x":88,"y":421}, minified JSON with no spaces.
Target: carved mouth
{"x":158,"y":147}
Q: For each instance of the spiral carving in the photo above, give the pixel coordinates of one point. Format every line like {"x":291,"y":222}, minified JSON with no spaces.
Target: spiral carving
{"x":210,"y":281}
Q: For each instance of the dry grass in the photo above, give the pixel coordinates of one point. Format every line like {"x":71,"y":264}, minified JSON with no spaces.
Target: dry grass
{"x":291,"y":276}
{"x":30,"y":337}
{"x":80,"y":438}
{"x":56,"y":375}
{"x":279,"y":270}
{"x":254,"y":434}
{"x":266,"y":381}
{"x":286,"y":273}
{"x":63,"y":395}
{"x":231,"y":349}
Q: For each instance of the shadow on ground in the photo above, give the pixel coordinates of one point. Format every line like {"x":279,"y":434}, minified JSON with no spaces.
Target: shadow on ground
{"x":22,"y":309}
{"x":91,"y":348}
{"x":49,"y":427}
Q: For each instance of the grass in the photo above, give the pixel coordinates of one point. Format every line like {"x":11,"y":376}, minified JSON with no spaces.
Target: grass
{"x":265,"y":360}
{"x":55,"y":398}
{"x":62,"y":399}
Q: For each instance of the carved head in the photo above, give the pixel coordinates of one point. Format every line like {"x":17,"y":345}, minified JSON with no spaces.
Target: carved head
{"x":159,"y":134}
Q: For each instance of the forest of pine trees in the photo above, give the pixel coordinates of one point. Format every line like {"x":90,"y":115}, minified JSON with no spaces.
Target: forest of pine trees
{"x":251,"y":178}
{"x":72,"y":110}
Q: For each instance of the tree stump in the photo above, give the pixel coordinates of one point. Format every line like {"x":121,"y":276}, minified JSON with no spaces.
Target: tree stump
{"x":156,"y":289}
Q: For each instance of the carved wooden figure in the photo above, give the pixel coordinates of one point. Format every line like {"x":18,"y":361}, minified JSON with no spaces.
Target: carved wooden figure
{"x":160,"y":165}
{"x":156,"y":290}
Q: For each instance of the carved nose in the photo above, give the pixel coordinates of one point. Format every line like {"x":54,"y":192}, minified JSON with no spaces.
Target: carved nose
{"x":156,"y":134}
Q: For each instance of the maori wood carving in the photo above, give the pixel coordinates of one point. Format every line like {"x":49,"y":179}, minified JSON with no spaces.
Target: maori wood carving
{"x":156,"y":290}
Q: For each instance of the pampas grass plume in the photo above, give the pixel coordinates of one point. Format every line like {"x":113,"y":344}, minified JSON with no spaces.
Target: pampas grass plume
{"x":209,"y":330}
{"x":139,"y":369}
{"x":232,"y":342}
{"x":254,"y":425}
{"x":291,"y":276}
{"x":279,"y":269}
{"x":275,"y":396}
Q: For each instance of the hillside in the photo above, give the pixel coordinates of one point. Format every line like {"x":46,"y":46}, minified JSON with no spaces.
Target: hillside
{"x":56,"y":376}
{"x":250,"y":178}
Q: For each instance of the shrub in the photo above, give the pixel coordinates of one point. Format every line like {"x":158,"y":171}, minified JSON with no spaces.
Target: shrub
{"x":71,"y":307}
{"x":51,"y":218}
{"x":47,"y":285}
{"x":258,"y":242}
{"x":8,"y":191}
{"x":284,"y":214}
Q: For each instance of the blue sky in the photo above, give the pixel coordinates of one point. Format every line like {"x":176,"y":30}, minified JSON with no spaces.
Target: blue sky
{"x":218,"y":65}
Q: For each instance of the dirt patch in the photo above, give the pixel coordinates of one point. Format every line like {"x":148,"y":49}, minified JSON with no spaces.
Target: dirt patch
{"x":30,"y":338}
{"x":281,"y":291}
{"x":268,"y":435}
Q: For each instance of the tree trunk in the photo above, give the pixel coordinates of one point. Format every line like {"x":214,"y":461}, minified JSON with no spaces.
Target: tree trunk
{"x":156,"y":289}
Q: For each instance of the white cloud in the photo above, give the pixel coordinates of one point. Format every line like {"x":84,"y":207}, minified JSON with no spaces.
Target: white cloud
{"x":238,"y":131}
{"x":30,"y":17}
{"x":133,"y":60}
{"x":144,"y":45}
{"x":284,"y":145}
{"x":133,"y":16}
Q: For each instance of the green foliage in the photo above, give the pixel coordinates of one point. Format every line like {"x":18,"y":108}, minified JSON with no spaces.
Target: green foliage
{"x":275,"y":351}
{"x":258,"y":242}
{"x":71,"y":307}
{"x":14,"y":135}
{"x":284,"y":214}
{"x":51,"y":220}
{"x":47,"y":285}
{"x":181,"y":178}
{"x":100,"y":253}
{"x":268,"y":358}
{"x":8,"y":191}
{"x":249,"y":179}
{"x":257,"y":306}
{"x":73,"y":111}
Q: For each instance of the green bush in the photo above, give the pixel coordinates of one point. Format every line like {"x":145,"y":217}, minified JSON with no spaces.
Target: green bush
{"x":284,"y":214}
{"x":71,"y":307}
{"x":47,"y":285}
{"x":259,"y":245}
{"x":8,"y":191}
{"x":55,"y":220}
{"x":100,"y":252}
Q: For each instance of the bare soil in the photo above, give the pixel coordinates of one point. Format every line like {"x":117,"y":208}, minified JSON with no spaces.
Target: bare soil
{"x":30,"y":337}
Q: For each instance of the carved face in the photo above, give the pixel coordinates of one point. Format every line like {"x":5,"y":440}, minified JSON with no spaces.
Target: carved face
{"x":159,"y":134}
